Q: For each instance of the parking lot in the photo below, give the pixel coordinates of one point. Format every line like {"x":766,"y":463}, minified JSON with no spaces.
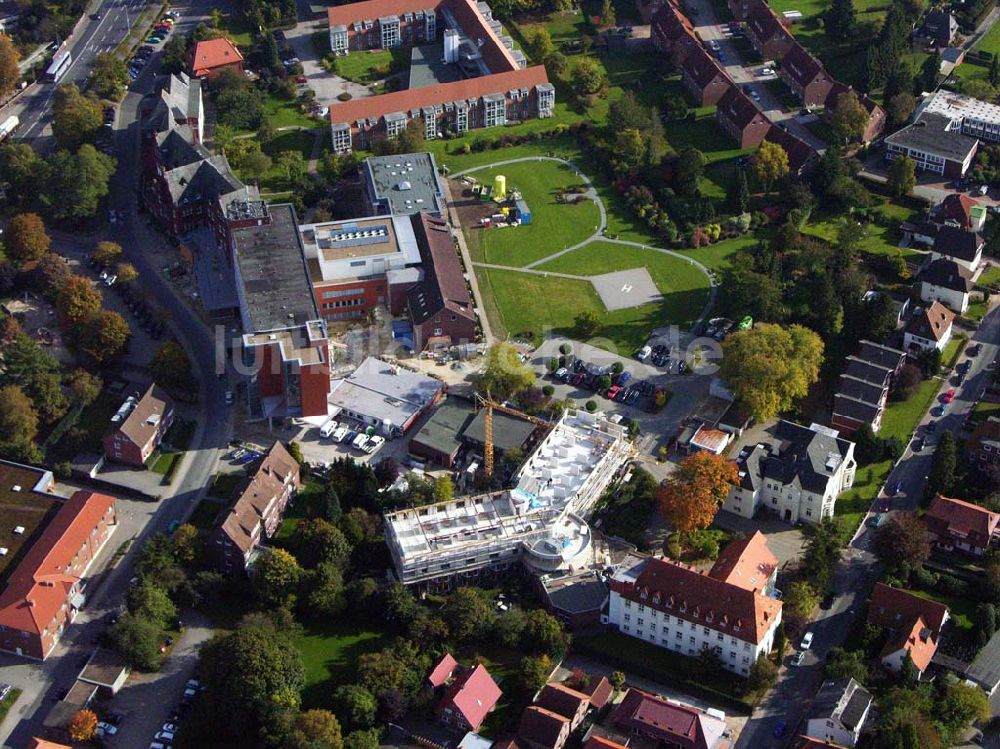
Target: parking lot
{"x":327,"y":86}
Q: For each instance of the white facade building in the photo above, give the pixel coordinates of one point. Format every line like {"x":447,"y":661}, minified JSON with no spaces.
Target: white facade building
{"x":542,"y":520}
{"x":839,"y":712}
{"x":677,"y":607}
{"x":797,"y":475}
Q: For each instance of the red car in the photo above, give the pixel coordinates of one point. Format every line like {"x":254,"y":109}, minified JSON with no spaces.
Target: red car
{"x":612,"y":392}
{"x":949,"y":396}
{"x":301,"y":79}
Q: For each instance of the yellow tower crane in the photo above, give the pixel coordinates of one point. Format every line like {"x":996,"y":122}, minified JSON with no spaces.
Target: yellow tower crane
{"x":489,"y":404}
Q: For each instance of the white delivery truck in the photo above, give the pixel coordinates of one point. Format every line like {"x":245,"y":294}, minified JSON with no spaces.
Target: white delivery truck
{"x":328,"y":428}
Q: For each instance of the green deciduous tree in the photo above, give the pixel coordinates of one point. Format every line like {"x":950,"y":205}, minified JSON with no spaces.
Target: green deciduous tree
{"x":76,"y":118}
{"x":355,"y":705}
{"x":171,"y":367}
{"x":85,"y":386}
{"x":587,"y":77}
{"x":137,"y":638}
{"x":315,"y":729}
{"x":840,"y":20}
{"x":770,"y":366}
{"x":533,"y":672}
{"x":469,"y":613}
{"x":276,"y":579}
{"x":902,"y":543}
{"x":18,"y":418}
{"x":849,"y":117}
{"x":587,"y":324}
{"x":77,"y":183}
{"x":942,"y":474}
{"x":368,"y":739}
{"x":842,"y":664}
{"x":503,"y":373}
{"x":902,"y":176}
{"x":801,"y":599}
{"x":317,"y":541}
{"x":108,"y":76}
{"x":900,"y":107}
{"x":106,"y":336}
{"x":152,"y":602}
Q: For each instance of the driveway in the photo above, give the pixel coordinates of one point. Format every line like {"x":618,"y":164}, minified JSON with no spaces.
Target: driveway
{"x":147,"y":700}
{"x":326,"y":85}
{"x":706,"y":24}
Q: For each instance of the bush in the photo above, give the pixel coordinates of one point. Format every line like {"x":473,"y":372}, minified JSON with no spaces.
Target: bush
{"x":591,"y":406}
{"x":548,"y":391}
{"x":343,"y":96}
{"x":565,"y":349}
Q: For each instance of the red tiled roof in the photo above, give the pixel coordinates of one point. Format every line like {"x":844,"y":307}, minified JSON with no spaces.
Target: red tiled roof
{"x":653,"y":716}
{"x":702,"y":68}
{"x":747,"y":563}
{"x":442,"y":671}
{"x":543,"y":727}
{"x":736,"y":107}
{"x":562,"y":700}
{"x":497,"y":57}
{"x":373,"y":107}
{"x":213,"y":53}
{"x":37,"y":743}
{"x":473,"y":694}
{"x":957,"y":207}
{"x":763,"y":23}
{"x":371,"y":10}
{"x":916,"y":640}
{"x":599,"y":742}
{"x":957,"y":518}
{"x":39,"y":586}
{"x":801,"y":66}
{"x":933,"y":323}
{"x":696,"y":597}
{"x":896,"y":608}
{"x":600,"y":691}
{"x":807,"y":742}
{"x":267,"y":482}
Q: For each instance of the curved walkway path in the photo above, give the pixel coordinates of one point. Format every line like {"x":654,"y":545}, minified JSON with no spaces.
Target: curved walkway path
{"x":598,"y":235}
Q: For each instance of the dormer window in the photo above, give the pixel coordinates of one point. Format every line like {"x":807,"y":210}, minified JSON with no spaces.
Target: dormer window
{"x":709,"y":616}
{"x":684,"y":606}
{"x":670,"y":602}
{"x":697,"y":612}
{"x":656,"y":599}
{"x":644,"y":593}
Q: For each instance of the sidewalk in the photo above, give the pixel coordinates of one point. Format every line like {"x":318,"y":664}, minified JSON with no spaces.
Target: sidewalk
{"x":467,"y":262}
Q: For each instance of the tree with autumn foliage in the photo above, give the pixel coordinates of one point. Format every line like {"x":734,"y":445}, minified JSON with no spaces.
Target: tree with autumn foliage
{"x":77,"y":301}
{"x":690,"y":498}
{"x":26,"y":240}
{"x":83,"y":725}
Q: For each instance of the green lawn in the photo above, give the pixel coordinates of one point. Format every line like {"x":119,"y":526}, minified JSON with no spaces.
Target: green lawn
{"x":991,"y":42}
{"x":985,"y":409}
{"x":554,"y":226}
{"x":963,"y":610}
{"x":899,"y":421}
{"x":329,"y":653}
{"x":287,"y":113}
{"x":949,"y":357}
{"x":990,"y":276}
{"x":365,"y":67}
{"x":275,"y":179}
{"x":8,"y":702}
{"x":879,"y":240}
{"x":164,"y":463}
{"x":716,"y":256}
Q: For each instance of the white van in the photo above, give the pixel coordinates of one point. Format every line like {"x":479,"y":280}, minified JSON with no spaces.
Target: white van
{"x":328,"y":428}
{"x":360,"y":441}
{"x":339,"y":435}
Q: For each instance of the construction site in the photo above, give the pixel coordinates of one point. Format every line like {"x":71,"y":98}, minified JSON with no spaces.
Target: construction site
{"x":500,"y":206}
{"x":540,"y":522}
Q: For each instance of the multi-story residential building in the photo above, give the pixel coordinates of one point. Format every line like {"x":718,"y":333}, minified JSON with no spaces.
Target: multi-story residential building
{"x":285,"y":345}
{"x":947,"y":282}
{"x":673,"y":34}
{"x":674,"y":606}
{"x":983,"y":446}
{"x":876,"y":115}
{"x":930,"y":328}
{"x":483,"y":81}
{"x":964,"y":247}
{"x":703,"y":78}
{"x":937,"y":30}
{"x":768,"y":35}
{"x":801,"y":156}
{"x":806,"y":77}
{"x":257,"y":512}
{"x":864,"y":387}
{"x":211,"y":56}
{"x":179,"y":103}
{"x":748,"y":563}
{"x":914,"y":625}
{"x":839,"y":712}
{"x":740,"y":119}
{"x":542,"y":729}
{"x":542,"y":521}
{"x":935,"y":145}
{"x":139,"y":426}
{"x":796,"y":474}
{"x":667,"y":723}
{"x":957,"y":525}
{"x":47,"y":588}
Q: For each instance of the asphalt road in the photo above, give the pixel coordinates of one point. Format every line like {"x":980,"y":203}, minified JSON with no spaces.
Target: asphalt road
{"x":791,"y":698}
{"x":93,"y":37}
{"x":139,"y":520}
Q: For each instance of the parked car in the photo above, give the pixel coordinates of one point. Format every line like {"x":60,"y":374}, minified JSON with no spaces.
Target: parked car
{"x":624,"y":377}
{"x":560,"y":374}
{"x":779,"y":728}
{"x":106,"y":729}
{"x":230,"y":398}
{"x":374,"y":443}
{"x":644,"y":353}
{"x":360,"y":441}
{"x":797,"y":659}
{"x":613,"y":391}
{"x":877,"y":520}
{"x":807,"y":641}
{"x":949,"y":396}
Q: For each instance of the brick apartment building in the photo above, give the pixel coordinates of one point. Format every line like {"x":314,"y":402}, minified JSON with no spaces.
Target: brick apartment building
{"x":45,"y":590}
{"x":179,"y":102}
{"x":876,"y":115}
{"x":806,"y":77}
{"x":768,"y":35}
{"x":285,"y":343}
{"x":476,"y":79}
{"x":703,"y":78}
{"x":141,"y":426}
{"x":210,"y":57}
{"x":672,"y":33}
{"x":256,"y":513}
{"x":740,"y":119}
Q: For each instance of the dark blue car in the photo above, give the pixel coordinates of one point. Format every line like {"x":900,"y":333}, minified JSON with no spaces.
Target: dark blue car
{"x":779,"y":728}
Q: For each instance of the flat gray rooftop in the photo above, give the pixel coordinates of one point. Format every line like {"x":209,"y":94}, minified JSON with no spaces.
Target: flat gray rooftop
{"x":273,"y":270}
{"x":427,"y":67}
{"x":403,"y":184}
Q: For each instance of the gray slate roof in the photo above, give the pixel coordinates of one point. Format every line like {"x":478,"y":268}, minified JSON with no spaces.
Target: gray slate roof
{"x":930,"y":134}
{"x":948,"y":275}
{"x":843,"y":700}
{"x":800,"y":453}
